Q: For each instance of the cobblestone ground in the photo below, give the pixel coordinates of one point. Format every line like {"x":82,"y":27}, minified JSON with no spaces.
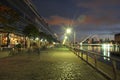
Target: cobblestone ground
{"x":52,"y":64}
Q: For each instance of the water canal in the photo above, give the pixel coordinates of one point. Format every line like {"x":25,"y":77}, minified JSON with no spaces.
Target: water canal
{"x":105,"y":50}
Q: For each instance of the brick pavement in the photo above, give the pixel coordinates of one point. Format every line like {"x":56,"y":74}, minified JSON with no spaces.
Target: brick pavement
{"x":52,"y":64}
{"x":4,"y":54}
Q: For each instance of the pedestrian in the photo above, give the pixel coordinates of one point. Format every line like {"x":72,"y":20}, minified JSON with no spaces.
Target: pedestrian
{"x":36,"y":48}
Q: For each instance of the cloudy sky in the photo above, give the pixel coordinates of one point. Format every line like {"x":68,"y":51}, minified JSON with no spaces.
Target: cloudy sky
{"x":85,"y":17}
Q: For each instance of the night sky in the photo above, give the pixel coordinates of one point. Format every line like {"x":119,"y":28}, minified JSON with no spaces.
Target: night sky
{"x":85,"y":17}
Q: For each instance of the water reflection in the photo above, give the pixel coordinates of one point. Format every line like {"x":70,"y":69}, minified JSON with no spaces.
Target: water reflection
{"x":104,"y":49}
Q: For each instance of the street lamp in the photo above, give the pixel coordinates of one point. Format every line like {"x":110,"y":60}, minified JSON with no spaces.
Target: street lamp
{"x":65,"y":39}
{"x":68,"y":31}
{"x":74,"y":38}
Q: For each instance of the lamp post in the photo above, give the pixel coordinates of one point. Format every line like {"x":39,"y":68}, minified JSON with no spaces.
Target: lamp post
{"x":74,"y":38}
{"x":68,"y":31}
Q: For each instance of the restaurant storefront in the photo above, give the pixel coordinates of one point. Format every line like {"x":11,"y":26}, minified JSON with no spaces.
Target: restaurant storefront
{"x":14,"y":39}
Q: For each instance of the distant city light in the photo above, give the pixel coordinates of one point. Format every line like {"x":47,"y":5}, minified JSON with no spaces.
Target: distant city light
{"x":54,"y":43}
{"x":41,"y":40}
{"x":45,"y":40}
{"x":37,"y":38}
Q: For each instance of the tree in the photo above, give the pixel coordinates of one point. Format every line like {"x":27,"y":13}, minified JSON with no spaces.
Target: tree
{"x":50,"y":38}
{"x":31,"y":31}
{"x":43,"y":35}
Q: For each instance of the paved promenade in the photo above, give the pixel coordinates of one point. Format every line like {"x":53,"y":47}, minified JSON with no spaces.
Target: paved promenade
{"x":51,"y":64}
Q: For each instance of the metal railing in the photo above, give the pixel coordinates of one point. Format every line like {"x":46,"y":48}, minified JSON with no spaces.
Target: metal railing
{"x":110,"y":71}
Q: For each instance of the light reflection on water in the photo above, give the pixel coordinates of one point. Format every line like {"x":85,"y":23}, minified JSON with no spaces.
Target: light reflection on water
{"x":104,"y":49}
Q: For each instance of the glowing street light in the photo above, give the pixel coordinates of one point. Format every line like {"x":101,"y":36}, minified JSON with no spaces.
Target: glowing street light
{"x":68,"y":31}
{"x":65,"y":39}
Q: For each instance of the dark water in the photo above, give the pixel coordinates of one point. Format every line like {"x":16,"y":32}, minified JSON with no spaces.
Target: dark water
{"x":105,"y":50}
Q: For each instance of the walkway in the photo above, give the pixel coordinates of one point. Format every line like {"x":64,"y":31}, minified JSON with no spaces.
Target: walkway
{"x":52,"y":64}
